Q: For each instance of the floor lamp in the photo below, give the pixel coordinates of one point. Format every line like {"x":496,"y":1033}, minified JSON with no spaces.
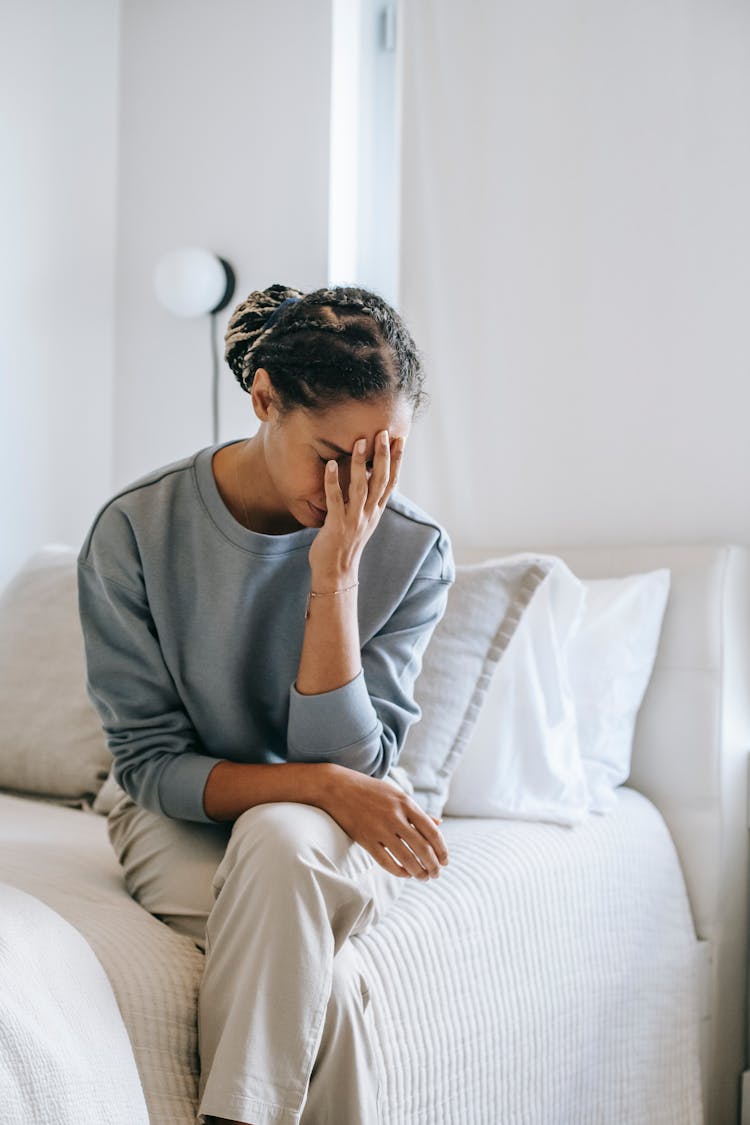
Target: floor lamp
{"x":192,"y":282}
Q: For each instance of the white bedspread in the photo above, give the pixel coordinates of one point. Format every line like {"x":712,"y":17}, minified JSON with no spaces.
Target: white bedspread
{"x":63,"y":857}
{"x":548,"y":977}
{"x":65,"y":1056}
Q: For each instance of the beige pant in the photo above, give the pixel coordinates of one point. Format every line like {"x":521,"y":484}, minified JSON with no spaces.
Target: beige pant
{"x":271,"y":898}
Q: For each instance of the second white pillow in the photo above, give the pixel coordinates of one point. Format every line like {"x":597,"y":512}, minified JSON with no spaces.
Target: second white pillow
{"x":522,"y":759}
{"x":609,"y":666}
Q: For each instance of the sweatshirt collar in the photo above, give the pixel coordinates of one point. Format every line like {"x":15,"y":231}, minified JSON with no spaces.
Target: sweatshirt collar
{"x":254,"y":542}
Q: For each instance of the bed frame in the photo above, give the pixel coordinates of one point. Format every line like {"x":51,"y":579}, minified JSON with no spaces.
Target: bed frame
{"x":690,"y":758}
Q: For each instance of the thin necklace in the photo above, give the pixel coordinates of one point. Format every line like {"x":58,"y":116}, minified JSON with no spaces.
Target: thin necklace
{"x":239,"y":490}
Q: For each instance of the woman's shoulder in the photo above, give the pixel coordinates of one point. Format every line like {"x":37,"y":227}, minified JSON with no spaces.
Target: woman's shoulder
{"x":409,"y":528}
{"x":165,"y":475}
{"x":149,"y":499}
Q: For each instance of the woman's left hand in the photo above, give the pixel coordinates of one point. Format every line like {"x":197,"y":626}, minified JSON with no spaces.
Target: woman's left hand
{"x":337,"y":549}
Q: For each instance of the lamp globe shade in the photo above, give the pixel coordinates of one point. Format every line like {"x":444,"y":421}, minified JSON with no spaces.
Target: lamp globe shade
{"x":190,"y":281}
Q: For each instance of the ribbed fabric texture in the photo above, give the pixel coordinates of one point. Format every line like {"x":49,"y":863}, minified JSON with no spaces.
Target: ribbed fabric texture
{"x":548,"y":977}
{"x":63,"y":1045}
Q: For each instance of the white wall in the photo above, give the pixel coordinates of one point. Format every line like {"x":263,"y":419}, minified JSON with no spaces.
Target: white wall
{"x":576,"y":267}
{"x":575,"y":240}
{"x":224,"y":144}
{"x":58,"y":92}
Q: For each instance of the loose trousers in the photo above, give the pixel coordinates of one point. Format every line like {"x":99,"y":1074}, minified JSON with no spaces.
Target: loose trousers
{"x":271,"y":898}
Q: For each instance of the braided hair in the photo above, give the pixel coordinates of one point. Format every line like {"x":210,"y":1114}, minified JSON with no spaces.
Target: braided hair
{"x":324,"y":347}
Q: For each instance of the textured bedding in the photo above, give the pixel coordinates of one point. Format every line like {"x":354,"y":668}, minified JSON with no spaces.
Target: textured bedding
{"x":548,"y":977}
{"x":64,"y":1050}
{"x":63,"y":856}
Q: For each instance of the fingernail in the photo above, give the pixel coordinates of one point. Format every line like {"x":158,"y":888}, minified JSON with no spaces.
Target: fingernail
{"x":384,"y":437}
{"x":331,"y":466}
{"x":361,"y":445}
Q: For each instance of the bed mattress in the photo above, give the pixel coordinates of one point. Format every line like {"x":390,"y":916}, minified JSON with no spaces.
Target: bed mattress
{"x":549,"y":976}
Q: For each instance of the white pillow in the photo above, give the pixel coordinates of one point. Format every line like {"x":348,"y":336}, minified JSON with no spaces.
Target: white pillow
{"x":514,"y":760}
{"x":609,"y":665}
{"x":523,"y":760}
{"x":485,"y":605}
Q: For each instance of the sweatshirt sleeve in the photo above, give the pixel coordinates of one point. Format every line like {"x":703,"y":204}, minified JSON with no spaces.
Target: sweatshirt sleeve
{"x":363,"y":724}
{"x":157,"y":757}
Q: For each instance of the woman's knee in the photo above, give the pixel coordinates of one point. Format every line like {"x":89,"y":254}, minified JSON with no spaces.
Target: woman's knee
{"x":288,"y":829}
{"x":280,"y":839}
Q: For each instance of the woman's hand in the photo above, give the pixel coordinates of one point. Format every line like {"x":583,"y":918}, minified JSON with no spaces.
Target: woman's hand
{"x":377,"y":815}
{"x":337,"y":549}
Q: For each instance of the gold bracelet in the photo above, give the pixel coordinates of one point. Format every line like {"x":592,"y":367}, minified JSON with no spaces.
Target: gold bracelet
{"x":327,"y":594}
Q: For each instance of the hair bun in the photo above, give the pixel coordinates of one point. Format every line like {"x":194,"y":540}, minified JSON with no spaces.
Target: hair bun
{"x":248,"y":322}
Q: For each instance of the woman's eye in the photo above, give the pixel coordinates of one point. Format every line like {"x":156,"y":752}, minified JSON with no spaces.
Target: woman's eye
{"x":343,"y":457}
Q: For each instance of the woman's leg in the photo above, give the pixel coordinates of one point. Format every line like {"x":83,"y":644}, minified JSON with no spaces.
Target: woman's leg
{"x":168,"y":865}
{"x":283,"y":1023}
{"x":283,"y":1019}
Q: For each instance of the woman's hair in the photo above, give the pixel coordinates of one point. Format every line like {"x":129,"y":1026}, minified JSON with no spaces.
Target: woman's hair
{"x":325,"y":347}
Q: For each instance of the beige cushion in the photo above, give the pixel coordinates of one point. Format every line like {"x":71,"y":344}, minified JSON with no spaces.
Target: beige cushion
{"x":51,"y":740}
{"x":485,"y":606}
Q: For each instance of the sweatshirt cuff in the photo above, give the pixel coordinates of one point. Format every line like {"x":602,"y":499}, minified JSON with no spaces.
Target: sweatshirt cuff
{"x":330,"y":721}
{"x":181,"y":786}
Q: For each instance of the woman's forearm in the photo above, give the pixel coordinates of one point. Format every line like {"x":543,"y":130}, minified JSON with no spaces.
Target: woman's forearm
{"x":330,"y":648}
{"x":233,"y":787}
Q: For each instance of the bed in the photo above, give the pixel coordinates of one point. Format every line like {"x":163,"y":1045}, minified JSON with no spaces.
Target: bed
{"x":549,"y":976}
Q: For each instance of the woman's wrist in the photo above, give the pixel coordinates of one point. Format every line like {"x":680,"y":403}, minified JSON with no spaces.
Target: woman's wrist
{"x":329,"y":579}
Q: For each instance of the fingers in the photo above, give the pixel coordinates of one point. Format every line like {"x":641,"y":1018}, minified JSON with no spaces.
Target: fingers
{"x":386,"y":860}
{"x":334,"y":496}
{"x":421,"y":853}
{"x":381,"y":468}
{"x":358,"y":486}
{"x":397,"y":452}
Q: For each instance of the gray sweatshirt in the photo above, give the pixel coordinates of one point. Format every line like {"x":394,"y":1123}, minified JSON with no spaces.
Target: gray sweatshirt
{"x":193,"y":629}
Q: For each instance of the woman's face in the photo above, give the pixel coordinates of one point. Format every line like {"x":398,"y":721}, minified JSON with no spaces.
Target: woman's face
{"x":297,"y":446}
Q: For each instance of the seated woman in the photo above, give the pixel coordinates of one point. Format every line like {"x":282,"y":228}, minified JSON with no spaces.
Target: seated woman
{"x":255,"y":617}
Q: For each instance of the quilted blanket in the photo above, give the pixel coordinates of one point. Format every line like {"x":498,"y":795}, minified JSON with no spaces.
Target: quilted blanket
{"x":65,"y":1056}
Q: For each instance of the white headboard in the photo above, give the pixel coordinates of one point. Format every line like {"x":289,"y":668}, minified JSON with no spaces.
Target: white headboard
{"x":690,"y":758}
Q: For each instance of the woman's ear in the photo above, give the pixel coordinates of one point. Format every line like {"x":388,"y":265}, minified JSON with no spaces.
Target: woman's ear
{"x":263,"y":395}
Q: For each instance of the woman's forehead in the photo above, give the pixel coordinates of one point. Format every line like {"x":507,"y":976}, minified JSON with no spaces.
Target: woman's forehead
{"x":344,"y":422}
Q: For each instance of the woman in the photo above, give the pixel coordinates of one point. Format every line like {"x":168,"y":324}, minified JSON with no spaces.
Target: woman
{"x":255,"y":617}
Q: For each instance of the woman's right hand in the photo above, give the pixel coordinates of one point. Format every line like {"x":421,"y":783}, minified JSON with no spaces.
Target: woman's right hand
{"x":377,"y":815}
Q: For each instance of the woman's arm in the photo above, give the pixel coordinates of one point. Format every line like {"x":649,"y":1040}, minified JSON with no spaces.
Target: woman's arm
{"x":233,"y":787}
{"x":349,"y":706}
{"x":330,"y":649}
{"x":363,"y":724}
{"x":350,"y":709}
{"x":158,"y":759}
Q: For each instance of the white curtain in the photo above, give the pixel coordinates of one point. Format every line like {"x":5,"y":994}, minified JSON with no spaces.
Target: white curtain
{"x":575,"y":267}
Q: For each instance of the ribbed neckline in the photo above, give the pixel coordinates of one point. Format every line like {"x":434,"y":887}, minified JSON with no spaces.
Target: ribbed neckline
{"x":253,"y":541}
